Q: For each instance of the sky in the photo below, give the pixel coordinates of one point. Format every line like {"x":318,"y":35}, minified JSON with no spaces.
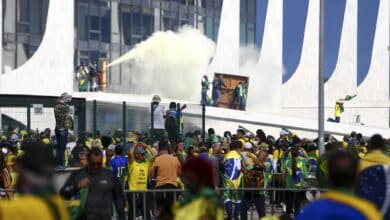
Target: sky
{"x":294,"y":21}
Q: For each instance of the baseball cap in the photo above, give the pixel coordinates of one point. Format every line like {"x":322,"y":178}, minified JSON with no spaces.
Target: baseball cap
{"x":248,"y":145}
{"x":111,"y":147}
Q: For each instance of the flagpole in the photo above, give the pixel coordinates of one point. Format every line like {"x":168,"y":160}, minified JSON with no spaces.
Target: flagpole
{"x":321,"y":115}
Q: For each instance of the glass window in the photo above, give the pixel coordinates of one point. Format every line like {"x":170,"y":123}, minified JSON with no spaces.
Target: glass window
{"x":126,"y":20}
{"x":105,"y":25}
{"x":250,"y":34}
{"x":136,"y":23}
{"x":216,"y":28}
{"x":94,"y":23}
{"x":209,"y":27}
{"x":82,"y":22}
{"x":148,"y":25}
{"x":35,"y":17}
{"x":24,"y":11}
{"x":242,"y":33}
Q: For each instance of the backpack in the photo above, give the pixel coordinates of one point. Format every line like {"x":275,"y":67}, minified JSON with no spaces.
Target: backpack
{"x":254,"y":178}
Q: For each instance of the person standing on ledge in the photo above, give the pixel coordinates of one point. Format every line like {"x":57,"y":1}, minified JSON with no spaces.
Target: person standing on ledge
{"x":205,"y":87}
{"x":63,"y":123}
{"x":217,"y":85}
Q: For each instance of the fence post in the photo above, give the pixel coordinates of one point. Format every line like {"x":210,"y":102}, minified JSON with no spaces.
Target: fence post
{"x":124,"y":123}
{"x":178,"y":135}
{"x":28,"y":121}
{"x":94,"y":110}
{"x":152,"y":121}
{"x":203,"y":122}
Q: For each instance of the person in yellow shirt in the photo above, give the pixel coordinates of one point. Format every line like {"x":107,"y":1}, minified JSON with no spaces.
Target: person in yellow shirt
{"x":139,"y":167}
{"x":373,"y":183}
{"x":38,"y":199}
{"x":375,"y":155}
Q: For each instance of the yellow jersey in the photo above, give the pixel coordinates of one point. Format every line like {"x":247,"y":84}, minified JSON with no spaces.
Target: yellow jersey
{"x":32,"y":207}
{"x":138,"y":175}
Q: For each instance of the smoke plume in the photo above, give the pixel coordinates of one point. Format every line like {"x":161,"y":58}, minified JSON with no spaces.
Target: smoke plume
{"x":170,"y":64}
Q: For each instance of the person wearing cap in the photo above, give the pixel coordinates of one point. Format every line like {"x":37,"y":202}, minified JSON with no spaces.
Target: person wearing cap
{"x":38,"y":199}
{"x":109,"y":153}
{"x":158,"y":119}
{"x":103,"y":187}
{"x":63,"y":124}
{"x":138,"y":168}
{"x":131,"y":139}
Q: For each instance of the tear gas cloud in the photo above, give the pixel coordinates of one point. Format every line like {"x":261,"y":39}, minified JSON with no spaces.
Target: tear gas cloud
{"x":170,"y":64}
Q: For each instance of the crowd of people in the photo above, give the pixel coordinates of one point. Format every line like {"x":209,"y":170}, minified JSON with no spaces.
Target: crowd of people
{"x":211,"y":171}
{"x":89,"y":78}
{"x":237,"y":98}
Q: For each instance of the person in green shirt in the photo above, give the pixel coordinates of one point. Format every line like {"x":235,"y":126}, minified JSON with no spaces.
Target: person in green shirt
{"x":256,"y":177}
{"x":205,"y":87}
{"x":295,"y":170}
{"x":322,"y":164}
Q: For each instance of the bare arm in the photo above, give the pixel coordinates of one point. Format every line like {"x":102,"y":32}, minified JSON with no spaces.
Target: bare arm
{"x":131,"y":155}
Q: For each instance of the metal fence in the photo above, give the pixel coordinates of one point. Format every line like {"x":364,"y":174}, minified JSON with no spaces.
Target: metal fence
{"x":275,"y":201}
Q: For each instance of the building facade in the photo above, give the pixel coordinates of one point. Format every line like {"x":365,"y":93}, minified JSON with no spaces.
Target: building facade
{"x":110,"y":28}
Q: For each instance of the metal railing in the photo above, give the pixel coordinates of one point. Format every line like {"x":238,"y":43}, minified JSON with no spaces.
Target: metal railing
{"x":275,"y":201}
{"x":146,"y":204}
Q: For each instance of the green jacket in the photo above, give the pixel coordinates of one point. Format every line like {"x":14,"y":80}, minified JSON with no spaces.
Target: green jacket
{"x":322,"y":171}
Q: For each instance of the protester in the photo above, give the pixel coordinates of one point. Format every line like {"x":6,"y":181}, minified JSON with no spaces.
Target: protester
{"x":158,"y":119}
{"x":217,"y":85}
{"x":256,"y":177}
{"x":5,"y":178}
{"x":37,"y":199}
{"x":138,"y":179}
{"x":205,"y":87}
{"x":63,"y":124}
{"x":232,"y":179}
{"x":216,"y":160}
{"x":295,"y":170}
{"x":103,"y":188}
{"x":82,"y":74}
{"x":376,"y":154}
{"x":166,"y":169}
{"x":373,"y":183}
{"x":200,"y":201}
{"x":93,"y":77}
{"x":340,"y":202}
{"x":180,"y":152}
{"x":322,"y":169}
{"x":118,"y":164}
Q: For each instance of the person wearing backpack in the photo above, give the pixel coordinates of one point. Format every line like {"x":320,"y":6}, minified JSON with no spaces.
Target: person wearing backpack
{"x":256,"y":177}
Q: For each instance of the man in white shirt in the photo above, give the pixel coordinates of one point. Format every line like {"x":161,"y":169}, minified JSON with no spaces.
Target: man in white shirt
{"x":159,"y":122}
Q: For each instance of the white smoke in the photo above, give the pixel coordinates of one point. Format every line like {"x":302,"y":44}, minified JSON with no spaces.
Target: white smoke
{"x":170,"y":64}
{"x":265,"y":80}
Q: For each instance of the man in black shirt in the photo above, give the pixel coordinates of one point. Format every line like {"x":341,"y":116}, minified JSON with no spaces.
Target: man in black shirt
{"x":103,"y":189}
